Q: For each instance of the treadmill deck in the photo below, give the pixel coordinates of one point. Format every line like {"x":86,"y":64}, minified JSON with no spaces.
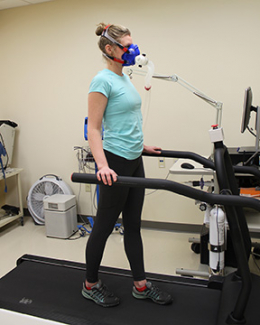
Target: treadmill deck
{"x":51,"y":289}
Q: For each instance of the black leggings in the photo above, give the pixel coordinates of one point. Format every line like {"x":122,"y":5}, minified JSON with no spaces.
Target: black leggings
{"x":113,"y":201}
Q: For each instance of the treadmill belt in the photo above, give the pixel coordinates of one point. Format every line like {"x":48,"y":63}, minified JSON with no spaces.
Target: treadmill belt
{"x":51,"y":289}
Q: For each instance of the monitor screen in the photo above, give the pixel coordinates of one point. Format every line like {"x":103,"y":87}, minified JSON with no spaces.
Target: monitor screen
{"x":246,"y":109}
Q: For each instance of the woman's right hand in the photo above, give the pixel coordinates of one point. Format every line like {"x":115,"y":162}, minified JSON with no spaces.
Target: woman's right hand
{"x":107,"y":175}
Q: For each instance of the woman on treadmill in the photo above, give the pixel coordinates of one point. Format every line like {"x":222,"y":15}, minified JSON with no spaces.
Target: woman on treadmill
{"x":114,"y":100}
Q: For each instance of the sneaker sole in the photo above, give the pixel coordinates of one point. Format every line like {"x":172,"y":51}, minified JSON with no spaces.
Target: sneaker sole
{"x":85,"y":295}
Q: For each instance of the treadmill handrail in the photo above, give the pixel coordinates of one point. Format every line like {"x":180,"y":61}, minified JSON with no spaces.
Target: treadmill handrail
{"x":181,"y":189}
{"x":184,"y":155}
{"x":202,"y":160}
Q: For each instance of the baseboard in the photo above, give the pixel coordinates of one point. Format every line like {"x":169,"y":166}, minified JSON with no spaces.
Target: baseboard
{"x":157,"y":225}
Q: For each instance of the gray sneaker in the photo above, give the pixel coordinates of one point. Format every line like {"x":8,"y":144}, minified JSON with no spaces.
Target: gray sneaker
{"x":153,"y":293}
{"x":100,"y":295}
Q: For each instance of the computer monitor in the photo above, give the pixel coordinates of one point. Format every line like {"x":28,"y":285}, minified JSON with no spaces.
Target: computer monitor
{"x":247,"y":109}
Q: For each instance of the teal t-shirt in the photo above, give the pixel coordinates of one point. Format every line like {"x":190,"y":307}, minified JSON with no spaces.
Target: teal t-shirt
{"x":122,"y":120}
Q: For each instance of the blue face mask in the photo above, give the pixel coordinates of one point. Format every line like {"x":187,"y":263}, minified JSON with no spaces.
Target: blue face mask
{"x":129,"y":56}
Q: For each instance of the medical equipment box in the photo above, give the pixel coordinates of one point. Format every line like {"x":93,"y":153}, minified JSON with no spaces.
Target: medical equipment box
{"x":60,"y":215}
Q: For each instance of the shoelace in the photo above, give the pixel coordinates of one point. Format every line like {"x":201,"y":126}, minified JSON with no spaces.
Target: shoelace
{"x":154,"y":291}
{"x":101,"y":292}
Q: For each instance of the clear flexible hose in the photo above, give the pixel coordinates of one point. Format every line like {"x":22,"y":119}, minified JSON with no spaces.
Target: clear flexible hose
{"x":142,"y":60}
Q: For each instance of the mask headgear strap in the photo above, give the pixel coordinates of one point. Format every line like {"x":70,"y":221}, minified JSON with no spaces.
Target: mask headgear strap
{"x":125,"y":49}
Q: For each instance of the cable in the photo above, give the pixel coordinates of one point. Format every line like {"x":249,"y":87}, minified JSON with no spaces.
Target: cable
{"x":85,"y":159}
{"x":250,"y":131}
{"x":7,"y":156}
{"x":152,"y":192}
{"x":75,"y":238}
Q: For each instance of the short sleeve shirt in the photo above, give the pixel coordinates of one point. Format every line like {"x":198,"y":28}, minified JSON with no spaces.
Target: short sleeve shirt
{"x":122,"y":120}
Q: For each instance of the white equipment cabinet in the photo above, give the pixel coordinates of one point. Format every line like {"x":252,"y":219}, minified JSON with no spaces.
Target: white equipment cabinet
{"x":60,"y":215}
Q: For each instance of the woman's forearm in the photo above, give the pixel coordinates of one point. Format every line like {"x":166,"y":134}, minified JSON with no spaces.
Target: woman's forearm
{"x":95,"y":143}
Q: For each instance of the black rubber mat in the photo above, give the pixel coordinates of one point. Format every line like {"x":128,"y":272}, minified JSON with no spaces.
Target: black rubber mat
{"x":51,"y":289}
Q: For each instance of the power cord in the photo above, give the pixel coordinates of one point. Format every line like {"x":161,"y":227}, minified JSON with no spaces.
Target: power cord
{"x":152,"y":192}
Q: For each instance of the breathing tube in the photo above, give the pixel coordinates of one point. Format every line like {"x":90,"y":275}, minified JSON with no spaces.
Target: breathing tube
{"x":142,"y":60}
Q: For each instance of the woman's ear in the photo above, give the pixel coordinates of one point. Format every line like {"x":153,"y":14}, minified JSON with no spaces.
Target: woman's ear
{"x":109,"y":49}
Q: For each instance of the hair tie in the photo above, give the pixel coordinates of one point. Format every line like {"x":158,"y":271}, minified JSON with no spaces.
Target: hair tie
{"x":104,"y":30}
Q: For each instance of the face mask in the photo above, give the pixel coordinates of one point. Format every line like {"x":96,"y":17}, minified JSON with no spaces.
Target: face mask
{"x":130,"y":55}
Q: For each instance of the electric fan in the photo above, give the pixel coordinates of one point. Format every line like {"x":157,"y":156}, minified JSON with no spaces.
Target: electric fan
{"x":46,"y":186}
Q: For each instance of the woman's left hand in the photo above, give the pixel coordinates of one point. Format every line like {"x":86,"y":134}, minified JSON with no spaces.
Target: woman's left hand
{"x":152,"y":149}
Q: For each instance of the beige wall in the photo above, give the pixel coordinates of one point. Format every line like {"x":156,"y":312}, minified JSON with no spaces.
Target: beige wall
{"x":49,"y":54}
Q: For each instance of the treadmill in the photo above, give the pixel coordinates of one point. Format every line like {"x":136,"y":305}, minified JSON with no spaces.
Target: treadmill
{"x":51,"y":288}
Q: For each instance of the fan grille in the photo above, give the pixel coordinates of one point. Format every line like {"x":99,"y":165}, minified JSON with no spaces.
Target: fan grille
{"x":40,"y":191}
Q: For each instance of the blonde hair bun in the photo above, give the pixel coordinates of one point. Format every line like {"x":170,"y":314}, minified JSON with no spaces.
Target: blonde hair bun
{"x":100,"y":29}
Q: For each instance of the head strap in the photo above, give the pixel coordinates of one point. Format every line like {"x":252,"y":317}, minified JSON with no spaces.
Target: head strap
{"x":106,"y":35}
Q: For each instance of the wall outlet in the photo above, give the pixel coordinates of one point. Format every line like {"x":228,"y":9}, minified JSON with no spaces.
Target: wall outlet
{"x":161,"y":162}
{"x":87,"y":187}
